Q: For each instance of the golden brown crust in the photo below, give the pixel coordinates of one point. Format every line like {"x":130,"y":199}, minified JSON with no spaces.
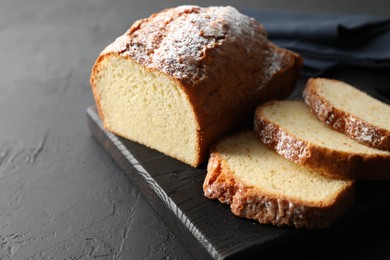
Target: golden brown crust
{"x":95,"y":71}
{"x":332,"y":163}
{"x":250,"y":202}
{"x":354,"y":127}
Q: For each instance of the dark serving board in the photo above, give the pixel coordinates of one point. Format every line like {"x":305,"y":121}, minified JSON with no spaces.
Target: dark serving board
{"x":207,"y":228}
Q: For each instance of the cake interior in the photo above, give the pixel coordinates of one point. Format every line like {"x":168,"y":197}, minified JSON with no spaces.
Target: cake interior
{"x":147,"y":107}
{"x":258,"y":166}
{"x":356,"y":102}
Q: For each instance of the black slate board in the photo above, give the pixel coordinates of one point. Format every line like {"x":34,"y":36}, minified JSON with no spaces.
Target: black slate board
{"x":207,"y":228}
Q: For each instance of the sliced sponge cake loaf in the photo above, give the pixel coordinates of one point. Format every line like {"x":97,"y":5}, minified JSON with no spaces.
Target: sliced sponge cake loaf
{"x":290,"y":128}
{"x":259,"y":184}
{"x":350,"y":111}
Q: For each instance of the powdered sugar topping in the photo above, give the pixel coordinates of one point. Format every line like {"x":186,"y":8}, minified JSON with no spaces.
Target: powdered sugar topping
{"x":176,"y":41}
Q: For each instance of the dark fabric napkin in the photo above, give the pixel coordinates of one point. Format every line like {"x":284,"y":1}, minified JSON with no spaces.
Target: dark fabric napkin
{"x":329,"y":40}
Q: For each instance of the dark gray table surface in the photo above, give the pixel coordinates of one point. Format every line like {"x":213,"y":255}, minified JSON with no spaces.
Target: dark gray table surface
{"x":61,"y":195}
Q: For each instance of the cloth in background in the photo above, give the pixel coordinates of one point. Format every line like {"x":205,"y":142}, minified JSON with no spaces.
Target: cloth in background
{"x":329,"y":40}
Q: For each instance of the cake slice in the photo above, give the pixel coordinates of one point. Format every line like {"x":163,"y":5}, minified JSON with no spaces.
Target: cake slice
{"x":350,"y":111}
{"x":259,"y":184}
{"x":293,"y":131}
